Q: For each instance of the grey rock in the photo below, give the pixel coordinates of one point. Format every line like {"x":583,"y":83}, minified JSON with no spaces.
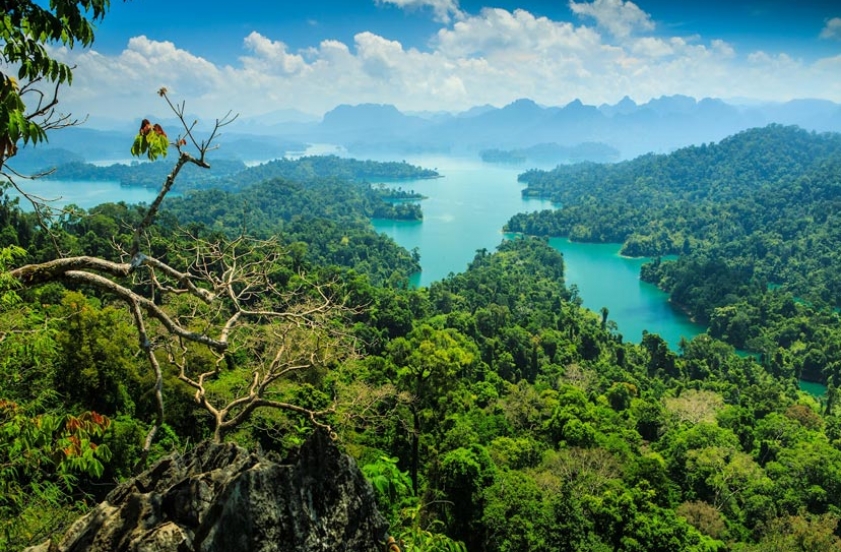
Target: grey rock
{"x":222,"y":498}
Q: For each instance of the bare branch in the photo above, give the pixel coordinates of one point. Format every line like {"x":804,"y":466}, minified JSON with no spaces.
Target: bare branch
{"x":148,"y":348}
{"x":152,"y":309}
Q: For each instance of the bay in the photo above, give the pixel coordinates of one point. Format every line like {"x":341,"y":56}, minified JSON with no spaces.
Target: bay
{"x":465,"y":212}
{"x":606,"y":279}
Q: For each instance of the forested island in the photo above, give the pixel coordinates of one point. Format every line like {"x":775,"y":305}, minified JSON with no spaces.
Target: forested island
{"x":232,"y":175}
{"x":551,"y":154}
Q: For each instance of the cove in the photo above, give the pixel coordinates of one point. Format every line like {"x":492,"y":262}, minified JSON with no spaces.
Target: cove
{"x":465,"y":212}
{"x":606,"y":279}
{"x":83,"y":193}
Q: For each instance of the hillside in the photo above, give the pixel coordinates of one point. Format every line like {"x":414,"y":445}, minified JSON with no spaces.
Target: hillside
{"x":752,"y":221}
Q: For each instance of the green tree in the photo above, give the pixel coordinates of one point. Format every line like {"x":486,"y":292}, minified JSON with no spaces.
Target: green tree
{"x":27,"y":103}
{"x":430,"y":363}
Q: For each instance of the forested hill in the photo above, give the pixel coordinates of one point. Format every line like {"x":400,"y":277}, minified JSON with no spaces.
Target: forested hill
{"x":747,"y":162}
{"x":754,"y":221}
{"x":328,"y":219}
{"x":234,"y":175}
{"x":766,"y":199}
{"x":324,"y":222}
{"x":321,"y":166}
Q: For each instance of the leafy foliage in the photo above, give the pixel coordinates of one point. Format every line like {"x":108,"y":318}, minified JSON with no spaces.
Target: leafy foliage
{"x":41,"y":458}
{"x":150,"y":141}
{"x":27,"y":28}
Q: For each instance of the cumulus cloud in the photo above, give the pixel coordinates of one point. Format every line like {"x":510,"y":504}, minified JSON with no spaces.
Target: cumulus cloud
{"x":832,"y":29}
{"x":495,"y":57}
{"x":379,"y":57}
{"x":620,"y":18}
{"x":271,"y":56}
{"x":126,"y":82}
{"x":445,"y":10}
{"x":497,"y":32}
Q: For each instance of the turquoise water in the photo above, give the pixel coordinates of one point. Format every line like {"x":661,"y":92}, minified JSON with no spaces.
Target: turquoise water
{"x":85,"y":194}
{"x":465,"y":211}
{"x":814,"y":389}
{"x":606,"y":279}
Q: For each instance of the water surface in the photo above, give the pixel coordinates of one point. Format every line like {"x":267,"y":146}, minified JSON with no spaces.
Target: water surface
{"x":607,"y":279}
{"x":465,"y":211}
{"x":83,"y":193}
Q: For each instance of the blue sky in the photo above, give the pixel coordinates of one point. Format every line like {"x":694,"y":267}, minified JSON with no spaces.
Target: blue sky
{"x":312,"y":55}
{"x":216,"y":31}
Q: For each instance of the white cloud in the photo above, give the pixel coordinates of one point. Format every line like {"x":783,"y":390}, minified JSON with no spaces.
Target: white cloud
{"x":126,"y":83}
{"x":271,"y":56}
{"x":832,"y":29}
{"x":722,"y":48}
{"x":379,"y":57}
{"x":653,"y":47}
{"x":493,"y":57}
{"x":620,"y":18}
{"x":444,"y":10}
{"x":497,"y":32}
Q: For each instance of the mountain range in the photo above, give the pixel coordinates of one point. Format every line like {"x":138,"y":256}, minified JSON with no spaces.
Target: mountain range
{"x":660,"y":125}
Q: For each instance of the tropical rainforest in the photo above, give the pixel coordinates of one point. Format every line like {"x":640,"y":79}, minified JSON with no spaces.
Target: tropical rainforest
{"x":489,"y":411}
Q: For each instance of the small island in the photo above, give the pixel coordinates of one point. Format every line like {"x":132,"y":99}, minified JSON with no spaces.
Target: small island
{"x":552,"y":154}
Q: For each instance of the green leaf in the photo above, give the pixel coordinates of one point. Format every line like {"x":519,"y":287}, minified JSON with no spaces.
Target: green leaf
{"x":137,"y":146}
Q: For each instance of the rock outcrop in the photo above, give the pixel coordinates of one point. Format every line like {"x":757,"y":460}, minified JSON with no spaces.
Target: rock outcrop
{"x":222,"y":498}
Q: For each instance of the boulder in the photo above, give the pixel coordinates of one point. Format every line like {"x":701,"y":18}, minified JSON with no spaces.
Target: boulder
{"x":222,"y":498}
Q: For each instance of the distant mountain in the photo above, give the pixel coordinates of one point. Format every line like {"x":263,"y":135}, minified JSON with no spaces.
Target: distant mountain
{"x":431,"y":115}
{"x":370,"y":117}
{"x":30,"y":160}
{"x":91,"y":144}
{"x":82,"y":144}
{"x":821,"y":115}
{"x":477,"y":110}
{"x":625,"y":106}
{"x":495,"y":128}
{"x":668,"y":105}
{"x":277,"y":117}
{"x":660,"y":125}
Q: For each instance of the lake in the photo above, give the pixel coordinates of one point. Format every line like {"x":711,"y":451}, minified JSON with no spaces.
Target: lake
{"x":84,"y":193}
{"x":465,"y":211}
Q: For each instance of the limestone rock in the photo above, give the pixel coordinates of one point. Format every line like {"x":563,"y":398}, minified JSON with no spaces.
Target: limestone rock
{"x":221,"y":498}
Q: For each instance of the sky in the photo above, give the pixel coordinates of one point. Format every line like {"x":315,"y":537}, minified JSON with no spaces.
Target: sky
{"x":262,"y":57}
